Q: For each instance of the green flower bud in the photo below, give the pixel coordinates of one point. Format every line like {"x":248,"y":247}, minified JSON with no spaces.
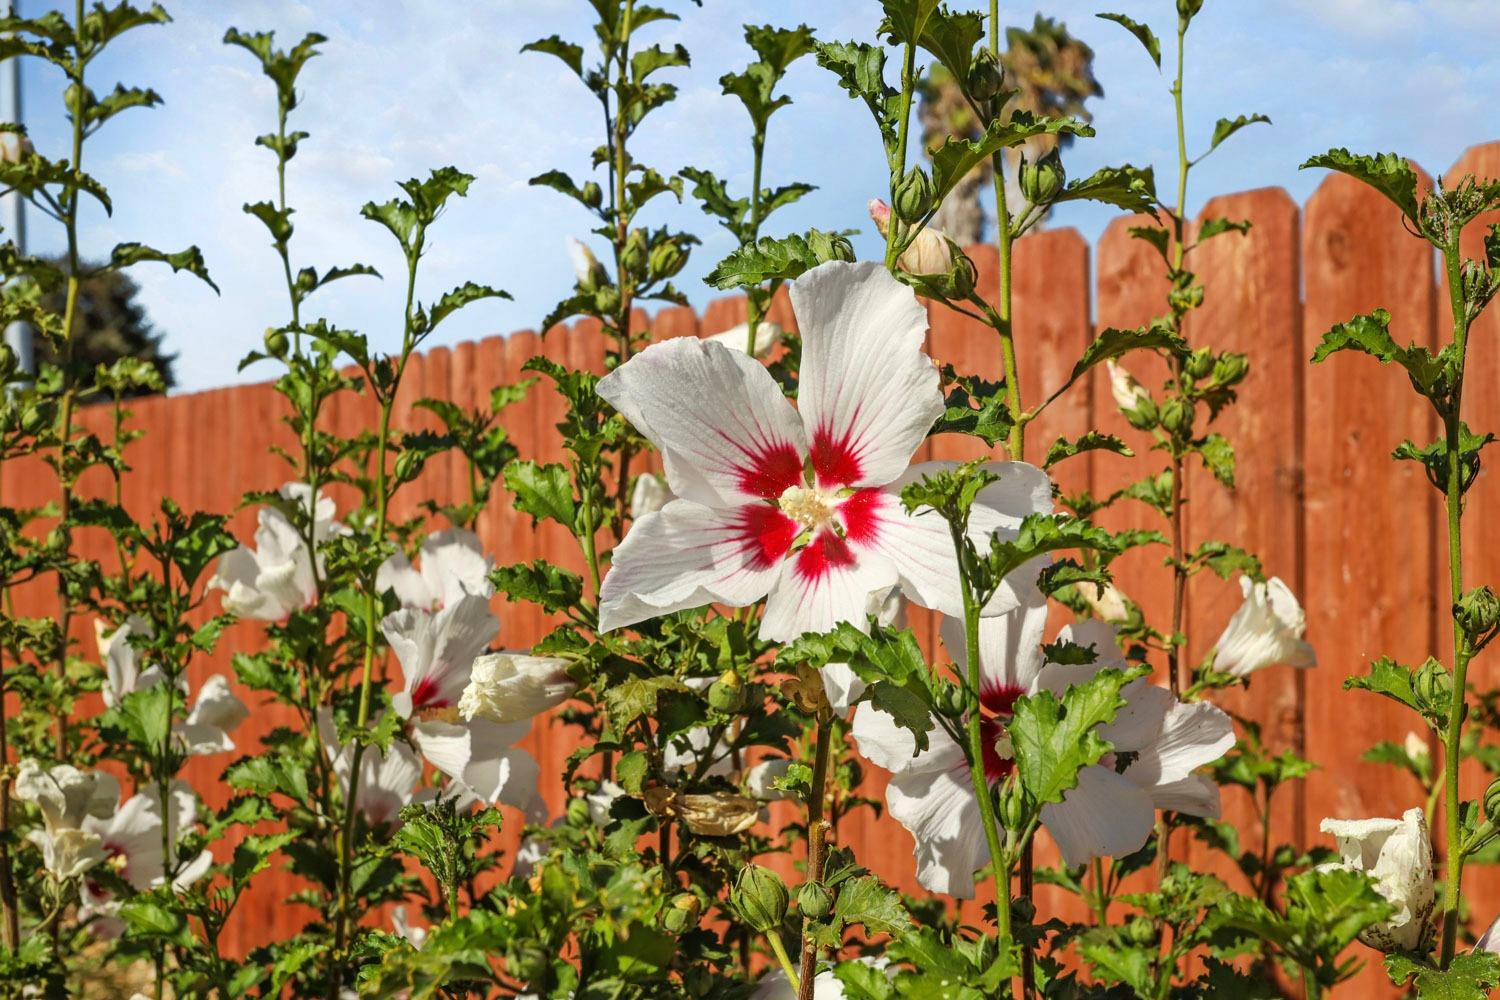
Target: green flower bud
{"x":1477,"y":612}
{"x":964,"y":276}
{"x":815,"y":901}
{"x":578,"y":811}
{"x":682,"y":913}
{"x":950,"y":701}
{"x":667,"y":259}
{"x":59,"y":540}
{"x":1492,"y":802}
{"x":633,"y":255}
{"x":35,"y":419}
{"x":593,"y":195}
{"x":986,"y":79}
{"x":1177,"y":416}
{"x":914,"y":195}
{"x":1043,"y":180}
{"x":1230,"y":369}
{"x":276,"y":343}
{"x":1200,"y":363}
{"x":1186,"y":299}
{"x":1140,"y":931}
{"x":1144,"y":416}
{"x":727,"y":694}
{"x":760,"y":897}
{"x":1012,"y":805}
{"x":607,"y":299}
{"x":1433,"y":686}
{"x":409,"y":466}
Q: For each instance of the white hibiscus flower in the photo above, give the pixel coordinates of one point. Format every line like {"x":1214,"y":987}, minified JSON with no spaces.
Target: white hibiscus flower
{"x":452,"y":564}
{"x":736,"y":338}
{"x":650,"y":495}
{"x":131,"y":840}
{"x":750,"y":522}
{"x":1266,"y":630}
{"x":276,"y":578}
{"x":387,"y":781}
{"x":928,"y":253}
{"x":1158,"y":744}
{"x":514,"y":687}
{"x":66,"y":797}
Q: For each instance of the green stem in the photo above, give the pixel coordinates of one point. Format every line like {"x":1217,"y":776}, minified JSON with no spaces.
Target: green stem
{"x":1101,"y":894}
{"x":1453,"y":827}
{"x":752,"y":298}
{"x":908,"y":81}
{"x":817,"y":842}
{"x":1004,"y":243}
{"x":999,"y":857}
{"x":774,"y":940}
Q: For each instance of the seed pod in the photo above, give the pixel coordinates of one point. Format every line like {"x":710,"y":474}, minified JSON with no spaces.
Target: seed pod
{"x":682,"y":913}
{"x":727,"y":694}
{"x":760,"y":897}
{"x":815,"y":901}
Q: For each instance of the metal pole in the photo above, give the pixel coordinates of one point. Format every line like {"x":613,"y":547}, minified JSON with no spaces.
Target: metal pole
{"x":18,"y":335}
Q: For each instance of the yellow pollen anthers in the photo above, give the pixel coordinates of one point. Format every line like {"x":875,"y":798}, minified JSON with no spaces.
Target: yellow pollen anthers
{"x":808,"y":506}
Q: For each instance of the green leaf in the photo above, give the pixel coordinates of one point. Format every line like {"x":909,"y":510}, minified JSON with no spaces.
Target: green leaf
{"x":1213,"y":227}
{"x":1114,"y":343}
{"x":1127,"y":187}
{"x":1370,"y":334}
{"x":551,"y":587}
{"x":1387,"y":173}
{"x":1469,"y":976}
{"x":1091,"y":441}
{"x":974,"y":406}
{"x":864,"y":900}
{"x":634,"y":697}
{"x":454,"y":300}
{"x":570,"y":54}
{"x":1142,"y":32}
{"x":1388,"y":678}
{"x":1434,"y":457}
{"x":860,"y":69}
{"x":779,"y":259}
{"x":253,"y":855}
{"x":1218,"y":456}
{"x":646,"y":61}
{"x":1055,"y":739}
{"x":1226,"y":127}
{"x":906,"y":20}
{"x":952,"y":38}
{"x":543,"y":491}
{"x":189,"y":260}
{"x":145,"y":917}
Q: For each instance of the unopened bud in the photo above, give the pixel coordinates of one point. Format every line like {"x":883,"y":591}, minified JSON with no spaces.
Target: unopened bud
{"x":589,"y":273}
{"x":578,"y":811}
{"x":276,"y":343}
{"x":727,"y":694}
{"x":1492,"y":802}
{"x":1140,"y":931}
{"x":950,"y":701}
{"x":682,"y":913}
{"x":814,"y":901}
{"x":986,"y":79}
{"x":1477,"y":612}
{"x":593,"y":195}
{"x":965,"y":275}
{"x":1177,"y":416}
{"x":1199,"y":363}
{"x":667,"y":259}
{"x":1433,"y":687}
{"x":1230,"y":369}
{"x":1012,"y":805}
{"x":14,"y":147}
{"x":633,"y":255}
{"x":914,"y":195}
{"x":1043,"y":180}
{"x":760,"y":897}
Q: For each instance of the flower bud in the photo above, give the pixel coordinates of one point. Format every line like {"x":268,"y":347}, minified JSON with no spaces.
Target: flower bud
{"x":914,"y":195}
{"x":1230,"y":369}
{"x":1416,"y":747}
{"x":667,"y":259}
{"x":965,"y":276}
{"x":1140,"y":931}
{"x":1043,"y":180}
{"x":760,"y":897}
{"x":682,"y":913}
{"x":880,"y":214}
{"x":1199,"y":363}
{"x":727,"y":694}
{"x":59,"y":539}
{"x":276,"y":342}
{"x":1477,"y":612}
{"x":14,"y":147}
{"x":593,"y":195}
{"x":578,"y":811}
{"x":1492,"y":802}
{"x":950,"y":701}
{"x":586,"y":267}
{"x":633,"y":255}
{"x":986,"y":79}
{"x":1177,"y":416}
{"x":1012,"y":811}
{"x":1129,"y":394}
{"x":814,"y":901}
{"x":1433,"y":686}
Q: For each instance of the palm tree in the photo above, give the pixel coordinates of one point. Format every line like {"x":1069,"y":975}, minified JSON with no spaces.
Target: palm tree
{"x":1052,"y":73}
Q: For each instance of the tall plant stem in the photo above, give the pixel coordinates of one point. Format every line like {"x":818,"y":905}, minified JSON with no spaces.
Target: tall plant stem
{"x":999,"y":856}
{"x":620,"y":172}
{"x":752,"y":298}
{"x":1004,"y":243}
{"x":817,"y":843}
{"x":1462,"y":652}
{"x":893,"y":237}
{"x":9,"y":906}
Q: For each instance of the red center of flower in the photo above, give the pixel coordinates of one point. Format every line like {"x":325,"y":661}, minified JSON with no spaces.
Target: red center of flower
{"x":425,"y":695}
{"x":770,"y":469}
{"x":834,"y":459}
{"x":999,"y":703}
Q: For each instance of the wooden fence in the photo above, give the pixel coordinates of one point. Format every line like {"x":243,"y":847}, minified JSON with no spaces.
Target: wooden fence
{"x":1352,"y":532}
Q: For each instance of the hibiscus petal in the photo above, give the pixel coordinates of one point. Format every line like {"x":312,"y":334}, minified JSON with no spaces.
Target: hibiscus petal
{"x":941,"y":813}
{"x":894,"y":748}
{"x":687,"y":555}
{"x":726,"y":433}
{"x":1010,"y":645}
{"x":437,"y":650}
{"x":824,"y":584}
{"x":867,"y":394}
{"x":1192,"y":735}
{"x":1196,"y":795}
{"x":1105,"y":816}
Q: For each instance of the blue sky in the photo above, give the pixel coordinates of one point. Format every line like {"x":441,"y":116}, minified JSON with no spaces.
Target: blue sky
{"x":406,"y":85}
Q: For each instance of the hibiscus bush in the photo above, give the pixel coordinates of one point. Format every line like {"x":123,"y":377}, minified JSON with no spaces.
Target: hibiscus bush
{"x":733,"y":660}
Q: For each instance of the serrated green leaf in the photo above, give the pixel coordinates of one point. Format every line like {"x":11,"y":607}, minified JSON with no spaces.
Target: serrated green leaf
{"x":1142,"y":33}
{"x":1055,"y":739}
{"x":1387,"y":173}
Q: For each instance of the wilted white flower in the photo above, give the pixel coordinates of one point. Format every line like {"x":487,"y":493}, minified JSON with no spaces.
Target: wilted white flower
{"x":66,"y":797}
{"x":929,"y":252}
{"x":1129,"y":394}
{"x":800,"y":506}
{"x":1397,"y":854}
{"x":650,"y":495}
{"x":216,"y":711}
{"x":1106,"y":602}
{"x":1159,"y":744}
{"x":14,"y":147}
{"x":514,"y":687}
{"x":767,"y":336}
{"x":586,"y":267}
{"x":1265,"y":630}
{"x":277,"y":577}
{"x":453,"y":564}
